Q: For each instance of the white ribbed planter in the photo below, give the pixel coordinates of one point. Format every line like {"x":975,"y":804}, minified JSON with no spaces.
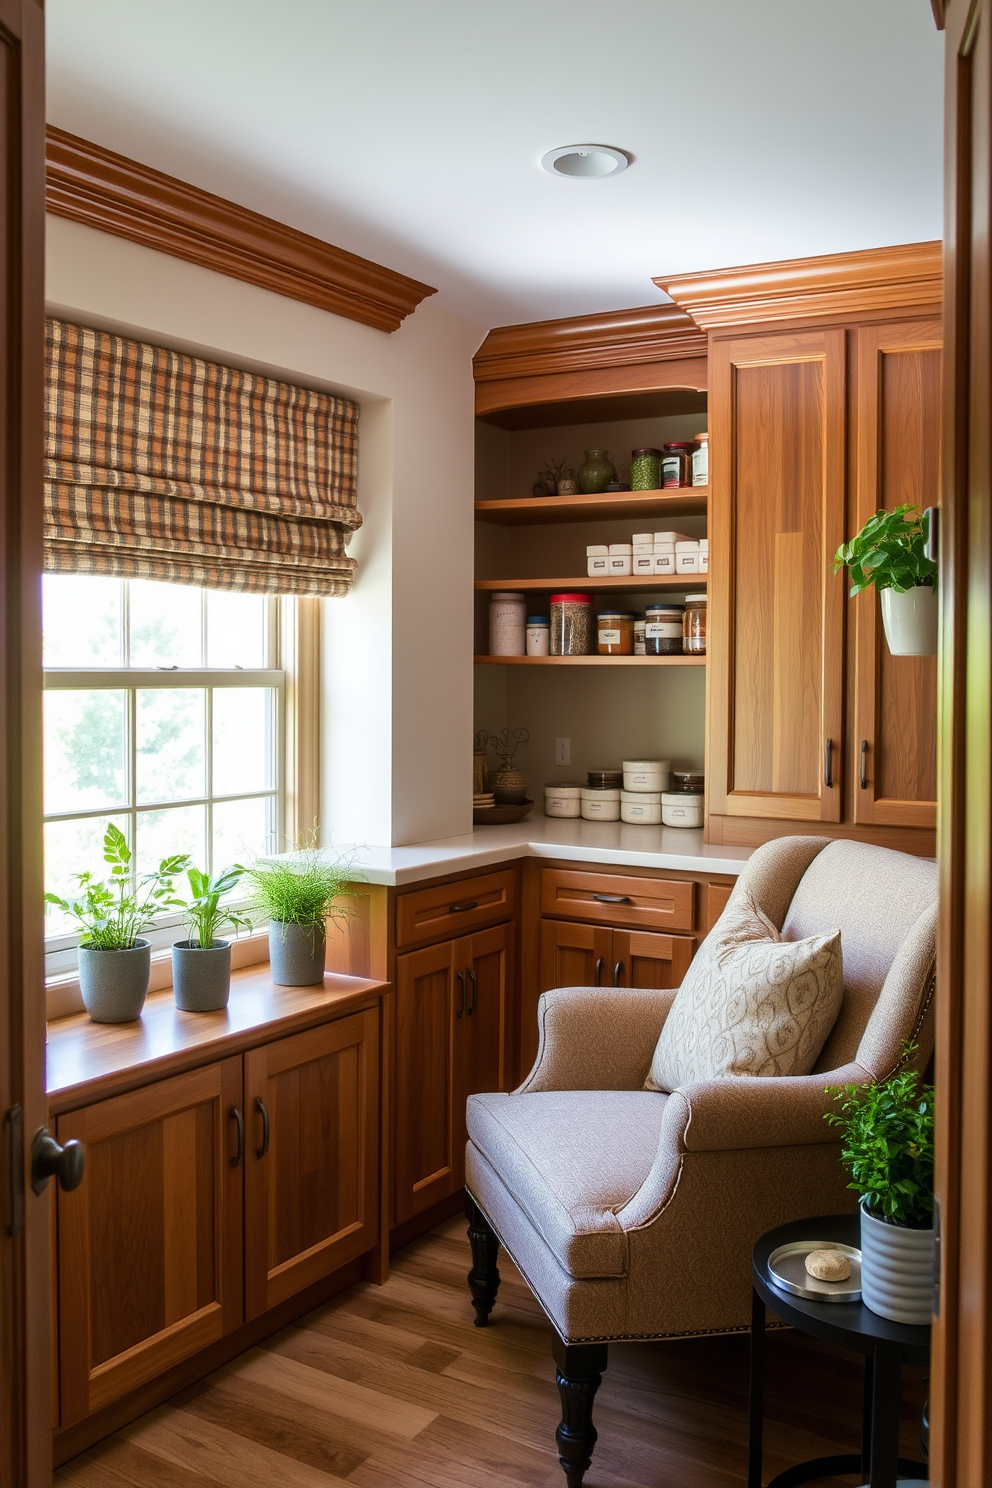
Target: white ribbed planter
{"x":897,"y":1275}
{"x":910,"y":620}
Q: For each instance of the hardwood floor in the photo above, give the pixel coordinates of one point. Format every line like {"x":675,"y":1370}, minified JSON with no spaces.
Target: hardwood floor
{"x":393,"y":1387}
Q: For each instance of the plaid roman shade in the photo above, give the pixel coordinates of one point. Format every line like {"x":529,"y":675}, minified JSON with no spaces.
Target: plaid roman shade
{"x":162,"y":466}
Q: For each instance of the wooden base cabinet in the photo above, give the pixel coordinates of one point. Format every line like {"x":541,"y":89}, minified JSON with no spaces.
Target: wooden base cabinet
{"x":452,"y":1006}
{"x":594,"y":956}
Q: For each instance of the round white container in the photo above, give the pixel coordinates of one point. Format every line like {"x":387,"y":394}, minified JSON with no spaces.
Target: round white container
{"x":600,"y":805}
{"x":507,"y":625}
{"x":681,"y":809}
{"x":641,"y":806}
{"x":563,"y":800}
{"x":646,"y":775}
{"x":538,"y":637}
{"x":897,"y":1278}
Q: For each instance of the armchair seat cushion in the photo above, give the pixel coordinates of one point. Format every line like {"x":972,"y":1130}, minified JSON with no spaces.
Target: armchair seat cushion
{"x":571,"y":1159}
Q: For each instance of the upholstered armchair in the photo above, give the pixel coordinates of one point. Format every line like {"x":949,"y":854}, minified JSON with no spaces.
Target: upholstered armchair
{"x":632,"y":1214}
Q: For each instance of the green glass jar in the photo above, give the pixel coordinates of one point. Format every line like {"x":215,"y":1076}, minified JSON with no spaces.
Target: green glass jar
{"x":595,"y":472}
{"x":645,"y":469}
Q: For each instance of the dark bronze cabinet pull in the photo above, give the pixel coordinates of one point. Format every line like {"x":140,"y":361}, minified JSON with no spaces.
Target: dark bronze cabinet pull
{"x":864,"y":764}
{"x":828,"y":764}
{"x":460,"y":979}
{"x":475,"y":992}
{"x":617,"y":973}
{"x":263,"y":1111}
{"x":49,"y":1159}
{"x":612,"y":898}
{"x":461,"y":908}
{"x":236,"y":1116}
{"x":599,"y":971}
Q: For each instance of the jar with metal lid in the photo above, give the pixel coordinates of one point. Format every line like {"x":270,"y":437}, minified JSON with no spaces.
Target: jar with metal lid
{"x":571,"y":624}
{"x":507,"y":625}
{"x":645,"y":469}
{"x":694,"y":625}
{"x":663,"y":630}
{"x":701,"y":461}
{"x":600,"y":805}
{"x":538,"y":635}
{"x":604,"y":779}
{"x":639,"y":643}
{"x":688,"y":781}
{"x":615,"y":633}
{"x":676,"y":464}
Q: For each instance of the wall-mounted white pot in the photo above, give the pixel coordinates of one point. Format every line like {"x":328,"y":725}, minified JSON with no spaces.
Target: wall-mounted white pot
{"x":897,"y":1270}
{"x":910,"y":620}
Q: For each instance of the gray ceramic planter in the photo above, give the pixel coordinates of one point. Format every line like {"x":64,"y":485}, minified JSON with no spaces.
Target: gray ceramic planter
{"x":296,"y":953}
{"x":201,"y":979}
{"x":897,"y":1271}
{"x":114,"y":984}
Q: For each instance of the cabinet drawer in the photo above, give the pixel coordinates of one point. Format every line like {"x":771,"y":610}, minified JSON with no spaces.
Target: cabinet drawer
{"x":609,"y":899}
{"x":455,"y":908}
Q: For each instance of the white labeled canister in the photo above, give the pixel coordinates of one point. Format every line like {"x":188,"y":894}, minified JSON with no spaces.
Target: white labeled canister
{"x":507,"y":625}
{"x":641,"y":806}
{"x":682,"y":809}
{"x":687,"y":557}
{"x":563,"y":800}
{"x":600,"y":805}
{"x":646,"y":775}
{"x":664,"y":560}
{"x":598,"y":561}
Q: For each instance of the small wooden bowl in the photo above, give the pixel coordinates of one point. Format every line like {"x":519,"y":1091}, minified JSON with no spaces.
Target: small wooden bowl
{"x":501,"y":816}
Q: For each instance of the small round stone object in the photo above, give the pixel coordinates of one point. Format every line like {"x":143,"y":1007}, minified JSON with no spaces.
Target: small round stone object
{"x":828,"y":1265}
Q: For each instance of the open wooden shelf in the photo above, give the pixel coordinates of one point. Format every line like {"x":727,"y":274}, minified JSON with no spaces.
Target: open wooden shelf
{"x":648,"y":506}
{"x":629,"y":585}
{"x":606,"y":661}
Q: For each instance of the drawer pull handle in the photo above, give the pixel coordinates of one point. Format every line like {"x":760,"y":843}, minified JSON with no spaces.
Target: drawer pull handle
{"x":864,"y":764}
{"x":461,"y":908}
{"x":460,"y":978}
{"x":612,"y":898}
{"x":475,"y":993}
{"x":617,"y":973}
{"x":599,"y":971}
{"x":236,"y":1116}
{"x":828,"y":764}
{"x":263,"y":1111}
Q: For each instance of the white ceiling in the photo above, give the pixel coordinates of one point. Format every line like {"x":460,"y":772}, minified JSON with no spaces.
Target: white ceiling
{"x":410,"y":130}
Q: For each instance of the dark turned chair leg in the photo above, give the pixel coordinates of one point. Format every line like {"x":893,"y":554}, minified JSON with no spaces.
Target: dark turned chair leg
{"x":483,"y":1279}
{"x":580,"y":1374}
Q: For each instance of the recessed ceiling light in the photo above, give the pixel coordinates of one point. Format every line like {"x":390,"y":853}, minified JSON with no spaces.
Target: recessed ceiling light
{"x":585,"y":161}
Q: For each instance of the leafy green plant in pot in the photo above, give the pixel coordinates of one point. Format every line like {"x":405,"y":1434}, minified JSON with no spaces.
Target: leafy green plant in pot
{"x":296,"y":894}
{"x":889,"y":554}
{"x":887,"y":1147}
{"x":114,"y":961}
{"x":201,"y":965}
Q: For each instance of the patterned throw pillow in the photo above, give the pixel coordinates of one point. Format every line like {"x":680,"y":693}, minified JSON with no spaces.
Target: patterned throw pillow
{"x":751,"y":1003}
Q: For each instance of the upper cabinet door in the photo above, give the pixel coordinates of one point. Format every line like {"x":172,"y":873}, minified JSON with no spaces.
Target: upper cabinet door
{"x":775,"y":668}
{"x":898,"y":460}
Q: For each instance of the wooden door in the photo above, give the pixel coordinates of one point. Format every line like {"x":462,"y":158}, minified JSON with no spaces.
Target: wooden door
{"x":961,"y":1386}
{"x":25,"y":1286}
{"x":150,"y":1259}
{"x":574,"y":955}
{"x":311,"y":1191}
{"x":898,"y":460}
{"x":485,"y":961}
{"x":425,"y":1161}
{"x":776,"y":624}
{"x":643,"y":959}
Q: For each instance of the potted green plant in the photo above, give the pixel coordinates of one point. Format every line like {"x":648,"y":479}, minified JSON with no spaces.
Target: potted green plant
{"x":201,"y":964}
{"x":888,"y":1150}
{"x":114,"y":961}
{"x":295,"y":893}
{"x":889,"y":554}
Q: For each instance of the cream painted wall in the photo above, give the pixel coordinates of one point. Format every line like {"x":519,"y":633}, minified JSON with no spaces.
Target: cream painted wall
{"x":397,"y":718}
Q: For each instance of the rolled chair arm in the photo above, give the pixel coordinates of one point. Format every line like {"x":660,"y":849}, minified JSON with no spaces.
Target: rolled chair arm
{"x":747,"y":1111}
{"x":597,"y":1038}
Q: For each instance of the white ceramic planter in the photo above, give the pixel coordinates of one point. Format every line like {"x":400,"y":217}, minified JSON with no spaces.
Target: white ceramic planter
{"x":910,"y":621}
{"x":897,"y":1275}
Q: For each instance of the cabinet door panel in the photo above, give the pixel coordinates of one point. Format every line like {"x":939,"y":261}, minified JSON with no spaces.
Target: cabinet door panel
{"x":716,"y":902}
{"x":150,"y":1244}
{"x":574,"y":955}
{"x":648,"y":960}
{"x":425,"y":1160}
{"x":311,"y":1196}
{"x":486,"y":959}
{"x":777,"y":420}
{"x":898,"y":461}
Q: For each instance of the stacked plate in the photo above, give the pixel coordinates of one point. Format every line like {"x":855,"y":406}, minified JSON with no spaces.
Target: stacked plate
{"x":483,"y":798}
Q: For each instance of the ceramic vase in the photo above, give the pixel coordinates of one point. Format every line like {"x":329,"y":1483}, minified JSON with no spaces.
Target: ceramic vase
{"x":201,"y":977}
{"x":595,"y":472}
{"x":296,"y":953}
{"x":910,"y":620}
{"x":114,"y":984}
{"x":897,"y":1270}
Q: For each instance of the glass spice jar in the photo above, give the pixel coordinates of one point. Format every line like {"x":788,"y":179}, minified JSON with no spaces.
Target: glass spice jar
{"x":694,"y":625}
{"x":701,"y":460}
{"x":615,"y":633}
{"x":676,"y":464}
{"x":663,"y":630}
{"x":645,"y":469}
{"x":570,"y":624}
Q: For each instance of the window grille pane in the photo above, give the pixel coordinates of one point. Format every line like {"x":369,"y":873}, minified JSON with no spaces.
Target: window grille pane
{"x":179,"y":829}
{"x":85,"y":750}
{"x":166,"y":624}
{"x":82,"y":620}
{"x":243,"y":739}
{"x":73,"y":847}
{"x":235,"y":629}
{"x":170,"y":728}
{"x":243,"y":830}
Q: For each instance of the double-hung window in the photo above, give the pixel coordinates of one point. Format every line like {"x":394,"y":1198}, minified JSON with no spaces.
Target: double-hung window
{"x":163,"y":713}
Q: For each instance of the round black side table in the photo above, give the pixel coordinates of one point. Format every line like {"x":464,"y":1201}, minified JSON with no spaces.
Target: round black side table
{"x":849,"y":1325}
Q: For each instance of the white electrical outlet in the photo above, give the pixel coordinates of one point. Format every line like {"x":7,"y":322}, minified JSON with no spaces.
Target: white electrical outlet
{"x":563,"y":751}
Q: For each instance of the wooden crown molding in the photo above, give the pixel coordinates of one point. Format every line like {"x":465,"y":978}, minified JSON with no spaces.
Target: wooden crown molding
{"x":116,"y":195}
{"x":902,"y":277}
{"x":585,"y":343}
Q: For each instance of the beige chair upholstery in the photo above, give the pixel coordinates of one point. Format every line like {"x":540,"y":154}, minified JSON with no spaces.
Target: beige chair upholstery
{"x":632,"y":1214}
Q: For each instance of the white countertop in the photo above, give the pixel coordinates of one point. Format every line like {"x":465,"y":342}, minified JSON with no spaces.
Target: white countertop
{"x":618,"y":843}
